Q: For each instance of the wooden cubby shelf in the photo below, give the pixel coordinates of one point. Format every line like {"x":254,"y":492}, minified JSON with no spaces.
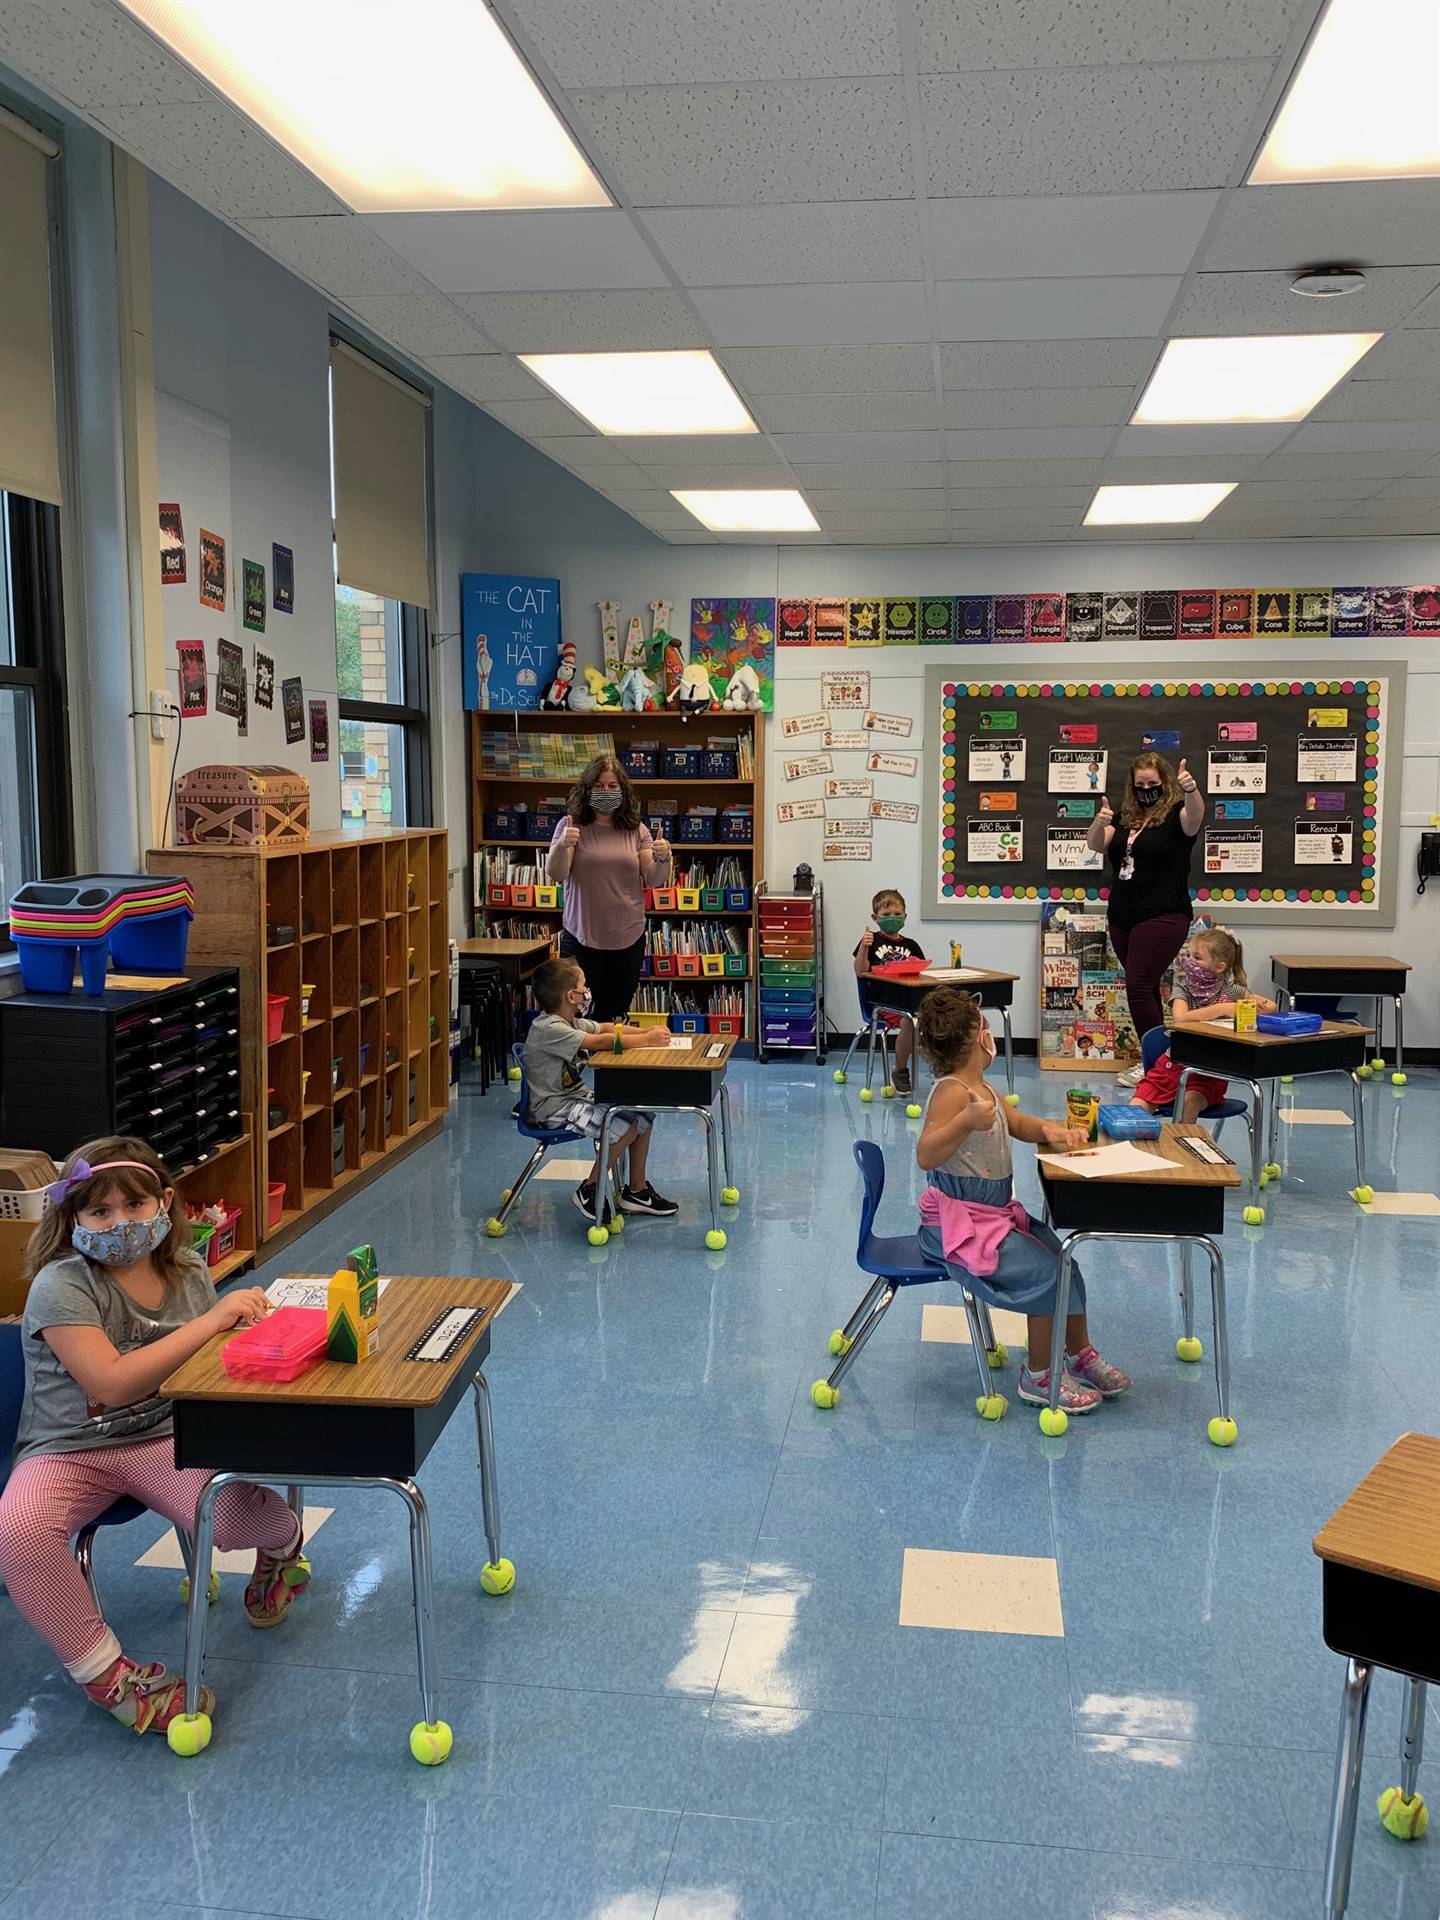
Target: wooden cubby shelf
{"x":366,"y":907}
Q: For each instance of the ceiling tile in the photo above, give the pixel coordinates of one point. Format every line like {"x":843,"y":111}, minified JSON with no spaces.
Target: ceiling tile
{"x":1385,"y":512}
{"x":1047,"y":363}
{"x":91,"y":53}
{"x":627,"y":43}
{"x":1121,"y":129}
{"x":1024,"y":473}
{"x":1019,"y":443}
{"x":877,"y":499}
{"x":920,"y":538}
{"x":1089,"y":235}
{"x":1226,"y":303}
{"x":585,"y":322}
{"x":841,"y":521}
{"x":1427,"y":314}
{"x":518,"y":252}
{"x":1365,"y":436}
{"x":1382,"y":400}
{"x":873,"y":369}
{"x":336,"y":251}
{"x":1046,"y":407}
{"x":810,"y":316}
{"x":547,"y":416}
{"x":1410,"y":353}
{"x":1387,"y":464}
{"x":583,"y":455}
{"x":1423,"y":488}
{"x":752,"y":145}
{"x":1255,"y":441}
{"x":1148,"y":470}
{"x":699,"y":449}
{"x":971,"y":519}
{"x":997,"y":499}
{"x":1053,"y":309}
{"x":844,"y":413}
{"x":756,"y":246}
{"x":1423,"y":469}
{"x":486,"y":377}
{"x":215,"y":155}
{"x":709,"y":473}
{"x":989,"y":34}
{"x":692,"y":539}
{"x":1263,"y":492}
{"x":812,"y":447}
{"x":671,"y":518}
{"x":878,"y":473}
{"x":425,"y":323}
{"x":1369,"y":222}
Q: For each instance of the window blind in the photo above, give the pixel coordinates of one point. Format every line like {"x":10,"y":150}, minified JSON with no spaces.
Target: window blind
{"x":29,"y":442}
{"x":378,"y":423}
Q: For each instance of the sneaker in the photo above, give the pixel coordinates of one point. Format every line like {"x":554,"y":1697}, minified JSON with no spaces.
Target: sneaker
{"x":1088,"y":1366}
{"x":277,"y":1580}
{"x":584,"y":1198}
{"x":646,"y":1200}
{"x":900,"y":1080}
{"x":1075,"y":1396}
{"x":1132,"y":1076}
{"x":145,"y":1699}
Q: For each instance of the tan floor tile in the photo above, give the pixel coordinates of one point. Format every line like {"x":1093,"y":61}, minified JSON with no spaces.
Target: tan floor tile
{"x":166,"y":1551}
{"x":571,"y":1170}
{"x":1315,"y":1117}
{"x":981,"y":1593}
{"x":949,"y":1326}
{"x":1411,"y":1206}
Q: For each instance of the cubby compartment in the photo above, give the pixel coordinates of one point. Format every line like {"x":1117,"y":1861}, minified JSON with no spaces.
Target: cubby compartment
{"x":394,"y":1107}
{"x":344,"y":887}
{"x":370,"y":984}
{"x":372,"y":1043}
{"x":315,"y":915}
{"x":286,"y":1164}
{"x":395,"y":871}
{"x":282,"y":903}
{"x":345,"y":972}
{"x":372,"y":885}
{"x":417,"y":1016}
{"x":345,"y":1047}
{"x":394,"y":1040}
{"x":319,"y":1172}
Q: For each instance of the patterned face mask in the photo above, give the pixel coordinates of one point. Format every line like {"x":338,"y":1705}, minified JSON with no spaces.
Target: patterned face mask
{"x":1202,"y":983}
{"x":605,"y":799}
{"x":122,"y":1246}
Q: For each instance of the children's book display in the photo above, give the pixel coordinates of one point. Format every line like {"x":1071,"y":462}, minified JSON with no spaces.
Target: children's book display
{"x":1084,"y":1016}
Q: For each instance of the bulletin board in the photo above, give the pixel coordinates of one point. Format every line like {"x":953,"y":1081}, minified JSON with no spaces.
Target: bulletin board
{"x":1297,"y":773}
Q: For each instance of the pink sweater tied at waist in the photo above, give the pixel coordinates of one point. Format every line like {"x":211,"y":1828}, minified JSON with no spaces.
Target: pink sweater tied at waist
{"x":971,"y":1233}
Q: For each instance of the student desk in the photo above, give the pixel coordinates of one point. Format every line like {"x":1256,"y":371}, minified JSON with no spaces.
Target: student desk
{"x":665,"y":1079}
{"x":1183,"y":1201}
{"x":516,"y":959}
{"x":1357,"y":976}
{"x":902,"y":993}
{"x":369,"y":1425}
{"x":1260,"y":1059}
{"x":1380,"y":1555}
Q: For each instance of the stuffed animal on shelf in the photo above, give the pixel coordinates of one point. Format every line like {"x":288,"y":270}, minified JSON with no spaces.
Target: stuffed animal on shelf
{"x":694,"y":691}
{"x":557,"y":694}
{"x":742,"y":695}
{"x":581,"y":698}
{"x":602,"y":694}
{"x":637,"y":691}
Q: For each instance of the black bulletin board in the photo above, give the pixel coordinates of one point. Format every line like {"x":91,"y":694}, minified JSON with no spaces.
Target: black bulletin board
{"x":1301,"y":761}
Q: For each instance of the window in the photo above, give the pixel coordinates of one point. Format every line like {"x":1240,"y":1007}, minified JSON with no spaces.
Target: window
{"x":381,"y":674}
{"x":34,"y":762}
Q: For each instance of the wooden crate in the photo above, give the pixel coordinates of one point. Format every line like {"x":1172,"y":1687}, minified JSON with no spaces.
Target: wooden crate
{"x":242,"y":807}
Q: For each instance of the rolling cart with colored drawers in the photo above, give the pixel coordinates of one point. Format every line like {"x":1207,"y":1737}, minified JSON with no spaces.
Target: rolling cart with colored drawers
{"x":791,"y":963}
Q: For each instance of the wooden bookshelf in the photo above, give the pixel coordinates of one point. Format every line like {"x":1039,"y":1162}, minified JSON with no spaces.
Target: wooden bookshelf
{"x":494,"y":792}
{"x":362,"y":1078}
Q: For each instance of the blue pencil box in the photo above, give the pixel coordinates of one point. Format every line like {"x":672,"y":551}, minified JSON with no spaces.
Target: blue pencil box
{"x":1288,"y":1023}
{"x":1129,"y":1123}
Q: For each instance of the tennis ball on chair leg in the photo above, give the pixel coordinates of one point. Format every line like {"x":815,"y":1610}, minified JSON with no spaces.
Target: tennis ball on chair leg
{"x":866,"y":1095}
{"x":1188,"y":1348}
{"x":431,"y":1744}
{"x":1406,"y":1819}
{"x":188,"y":1734}
{"x":1362,"y":1196}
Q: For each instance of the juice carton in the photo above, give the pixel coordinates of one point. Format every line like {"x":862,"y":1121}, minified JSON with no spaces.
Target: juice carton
{"x":1245,"y":1016}
{"x":352,"y":1305}
{"x":1082,"y":1109}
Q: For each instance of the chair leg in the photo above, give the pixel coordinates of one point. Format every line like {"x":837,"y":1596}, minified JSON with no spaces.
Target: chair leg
{"x":85,"y":1555}
{"x":979,"y":1341}
{"x":859,"y":1035}
{"x":847,"y":1332}
{"x":526,"y":1173}
{"x":852,"y":1352}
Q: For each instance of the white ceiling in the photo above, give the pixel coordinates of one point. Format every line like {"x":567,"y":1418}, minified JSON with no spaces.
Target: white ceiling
{"x":936,"y":244}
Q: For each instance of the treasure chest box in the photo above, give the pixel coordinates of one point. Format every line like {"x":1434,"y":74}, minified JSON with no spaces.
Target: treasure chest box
{"x":242,"y":807}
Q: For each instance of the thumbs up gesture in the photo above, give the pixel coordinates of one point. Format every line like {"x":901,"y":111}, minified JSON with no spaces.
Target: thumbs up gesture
{"x":1187,"y":780}
{"x":1107,"y":812}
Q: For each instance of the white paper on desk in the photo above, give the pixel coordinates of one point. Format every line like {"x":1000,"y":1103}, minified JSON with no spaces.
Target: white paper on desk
{"x":297,"y":1292}
{"x":1095,"y":1163}
{"x":681,"y":1042}
{"x":954,"y":973}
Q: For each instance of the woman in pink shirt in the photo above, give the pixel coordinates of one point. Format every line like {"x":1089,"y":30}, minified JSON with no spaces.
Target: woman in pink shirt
{"x":604,"y":854}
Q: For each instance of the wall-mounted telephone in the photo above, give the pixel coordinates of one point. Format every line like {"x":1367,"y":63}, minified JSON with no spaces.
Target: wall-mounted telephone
{"x":1427,"y":860}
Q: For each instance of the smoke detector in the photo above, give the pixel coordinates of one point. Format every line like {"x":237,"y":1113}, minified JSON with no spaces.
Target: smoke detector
{"x":1328,"y":283}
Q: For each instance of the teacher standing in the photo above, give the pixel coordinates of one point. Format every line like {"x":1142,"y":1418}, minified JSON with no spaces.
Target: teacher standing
{"x":1150,"y":850}
{"x":605,"y":856}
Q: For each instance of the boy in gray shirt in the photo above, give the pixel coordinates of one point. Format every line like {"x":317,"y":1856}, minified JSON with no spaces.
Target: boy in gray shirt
{"x":556,"y":1049}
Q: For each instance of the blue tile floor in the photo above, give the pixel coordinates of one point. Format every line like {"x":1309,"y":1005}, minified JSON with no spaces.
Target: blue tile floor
{"x":697,"y":1703}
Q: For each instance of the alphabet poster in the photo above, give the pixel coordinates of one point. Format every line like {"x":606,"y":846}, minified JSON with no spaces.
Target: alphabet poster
{"x":509,"y":640}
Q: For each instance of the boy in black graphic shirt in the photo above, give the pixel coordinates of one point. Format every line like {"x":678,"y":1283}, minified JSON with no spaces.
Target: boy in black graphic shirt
{"x":887,"y":910}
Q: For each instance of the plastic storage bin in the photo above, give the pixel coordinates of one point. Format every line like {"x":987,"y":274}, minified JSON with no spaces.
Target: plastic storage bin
{"x":274,"y":1203}
{"x":697,"y":829}
{"x":222,"y":1240}
{"x":682,"y":763}
{"x":641,"y":763}
{"x":712,"y":900}
{"x":731,"y":1024}
{"x":275,"y":1005}
{"x":687,"y":1023}
{"x":737,"y":827}
{"x":687,"y":899}
{"x":717,"y":764}
{"x":737,"y":899}
{"x":1129,"y":1123}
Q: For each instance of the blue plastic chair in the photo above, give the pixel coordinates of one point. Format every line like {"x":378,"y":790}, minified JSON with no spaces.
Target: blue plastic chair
{"x":118,"y":1514}
{"x":1152,"y":1045}
{"x":872,"y":1030}
{"x":894,"y":1261}
{"x":544,"y":1138}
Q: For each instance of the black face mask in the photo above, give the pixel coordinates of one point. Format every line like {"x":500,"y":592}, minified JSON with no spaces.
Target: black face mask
{"x":1147,"y":796}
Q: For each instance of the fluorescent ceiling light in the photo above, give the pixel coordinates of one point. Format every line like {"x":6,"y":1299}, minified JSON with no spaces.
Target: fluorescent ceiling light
{"x":1265,"y":376}
{"x":1361,"y":105}
{"x":644,"y":392}
{"x":1148,"y":506}
{"x":748,"y":509}
{"x":396,"y":105}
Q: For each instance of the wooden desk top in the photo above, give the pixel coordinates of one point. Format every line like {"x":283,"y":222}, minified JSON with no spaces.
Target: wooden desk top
{"x":495,"y":948}
{"x":1329,"y":962}
{"x":1225,"y":1030}
{"x":977,"y":977}
{"x":1174,"y":1167}
{"x":665,"y":1056}
{"x":1390,"y":1524}
{"x":407,"y":1306}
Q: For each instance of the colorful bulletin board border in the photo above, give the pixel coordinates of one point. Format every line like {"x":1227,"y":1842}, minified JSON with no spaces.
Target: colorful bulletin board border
{"x":1372,"y":902}
{"x":1151,"y":613}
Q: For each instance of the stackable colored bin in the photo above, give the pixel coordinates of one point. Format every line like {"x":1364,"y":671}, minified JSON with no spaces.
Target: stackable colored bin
{"x":687,"y":1023}
{"x":142,"y":921}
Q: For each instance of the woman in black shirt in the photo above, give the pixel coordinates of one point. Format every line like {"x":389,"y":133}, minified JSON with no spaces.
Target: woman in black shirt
{"x":1150,"y":850}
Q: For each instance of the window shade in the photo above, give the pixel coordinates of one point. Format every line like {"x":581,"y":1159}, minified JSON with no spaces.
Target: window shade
{"x":29,"y":444}
{"x":381,"y":539}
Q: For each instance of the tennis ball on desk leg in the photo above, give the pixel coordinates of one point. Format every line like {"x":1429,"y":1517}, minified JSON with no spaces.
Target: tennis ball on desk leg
{"x":1362,"y":1196}
{"x":1364,"y":1071}
{"x":1053,"y":1422}
{"x":824,"y":1396}
{"x":1188,"y":1348}
{"x":1406,"y":1819}
{"x":512,"y":1074}
{"x":1398,"y":1079}
{"x":715,"y":1239}
{"x":188,"y":1734}
{"x":912,"y":1112}
{"x":597,"y":1236}
{"x":730,"y":1196}
{"x":1222,"y":1431}
{"x":991,"y":1406}
{"x":1012,"y":1099}
{"x":866,"y":1095}
{"x":431,"y":1744}
{"x":1253,"y":1216}
{"x":497,"y":1576}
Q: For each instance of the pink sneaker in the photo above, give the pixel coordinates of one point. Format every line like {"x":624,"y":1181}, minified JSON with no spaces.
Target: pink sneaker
{"x":145,"y":1699}
{"x":277,"y":1580}
{"x":1097,"y":1372}
{"x":1075,"y":1396}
